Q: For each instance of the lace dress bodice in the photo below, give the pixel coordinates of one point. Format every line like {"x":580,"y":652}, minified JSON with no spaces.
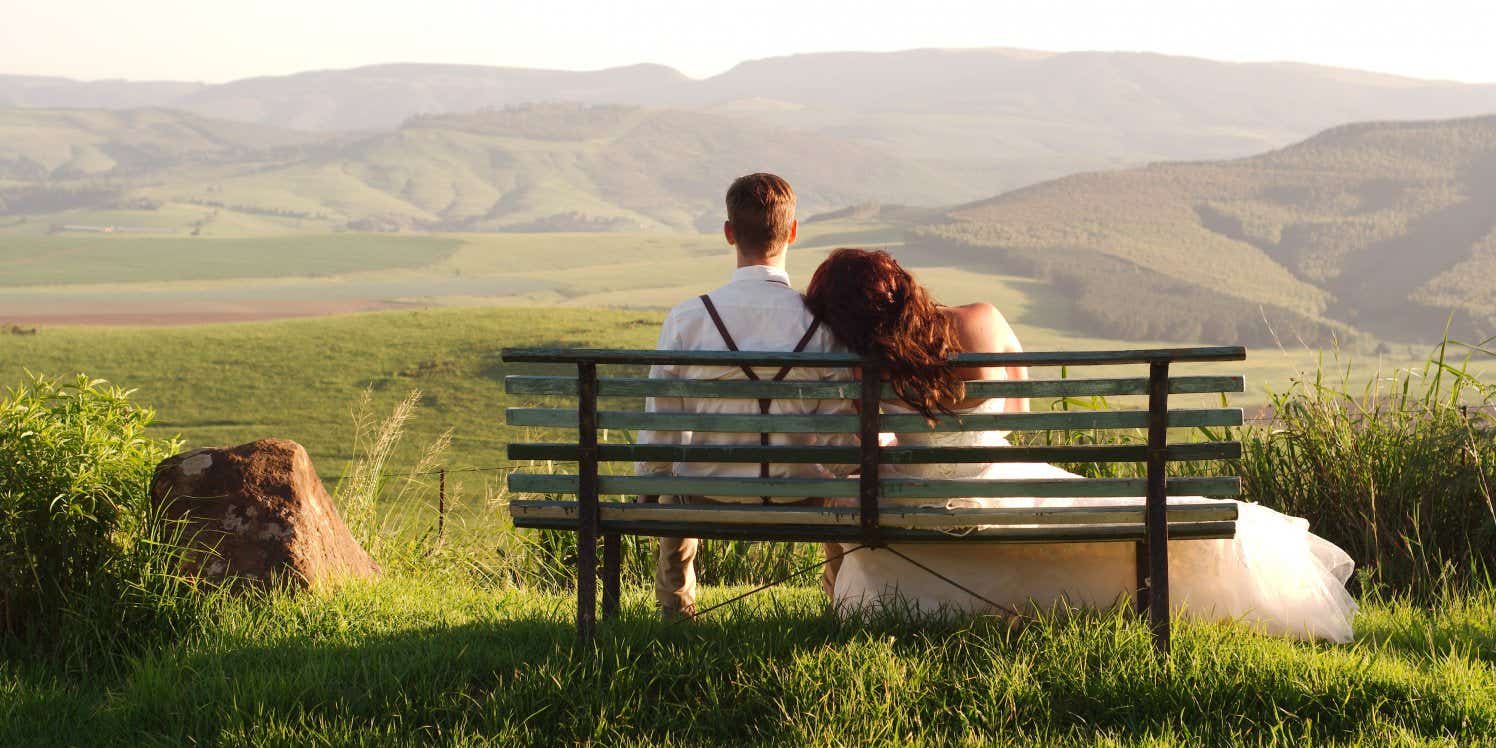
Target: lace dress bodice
{"x":947,"y":439}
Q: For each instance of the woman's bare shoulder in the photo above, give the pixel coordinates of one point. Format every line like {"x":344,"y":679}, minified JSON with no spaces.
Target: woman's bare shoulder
{"x":981,"y":327}
{"x":980,"y":312}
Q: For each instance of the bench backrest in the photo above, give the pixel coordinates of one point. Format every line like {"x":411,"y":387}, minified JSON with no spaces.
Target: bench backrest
{"x":871,"y":492}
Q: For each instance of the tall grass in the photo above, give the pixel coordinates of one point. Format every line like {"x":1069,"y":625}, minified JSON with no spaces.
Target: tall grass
{"x":1399,"y":471}
{"x":388,"y":511}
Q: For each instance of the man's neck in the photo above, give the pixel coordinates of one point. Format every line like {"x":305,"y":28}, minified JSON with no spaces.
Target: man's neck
{"x":775,"y":261}
{"x":761,"y":273}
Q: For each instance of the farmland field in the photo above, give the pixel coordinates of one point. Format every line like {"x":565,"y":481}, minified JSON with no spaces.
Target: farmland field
{"x":108,"y":279}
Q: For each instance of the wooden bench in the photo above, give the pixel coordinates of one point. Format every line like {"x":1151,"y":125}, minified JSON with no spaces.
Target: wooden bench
{"x":884,"y":511}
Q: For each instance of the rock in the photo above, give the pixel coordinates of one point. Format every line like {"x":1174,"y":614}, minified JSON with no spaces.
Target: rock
{"x":257,"y":513}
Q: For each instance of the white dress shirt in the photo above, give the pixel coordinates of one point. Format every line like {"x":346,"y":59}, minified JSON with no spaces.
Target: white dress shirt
{"x":762,"y":313}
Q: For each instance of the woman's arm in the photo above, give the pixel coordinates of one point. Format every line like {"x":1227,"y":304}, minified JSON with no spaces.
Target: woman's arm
{"x":980,"y":328}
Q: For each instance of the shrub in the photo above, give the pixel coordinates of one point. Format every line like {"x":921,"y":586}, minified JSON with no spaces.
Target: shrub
{"x":74,"y":506}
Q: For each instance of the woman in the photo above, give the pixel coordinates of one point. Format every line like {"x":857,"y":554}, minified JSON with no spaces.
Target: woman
{"x":1274,"y":573}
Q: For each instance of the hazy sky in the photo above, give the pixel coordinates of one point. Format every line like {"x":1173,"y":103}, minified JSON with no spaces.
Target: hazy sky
{"x":217,"y":40}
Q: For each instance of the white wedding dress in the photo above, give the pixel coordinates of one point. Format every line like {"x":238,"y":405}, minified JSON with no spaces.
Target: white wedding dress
{"x":1275,"y":574}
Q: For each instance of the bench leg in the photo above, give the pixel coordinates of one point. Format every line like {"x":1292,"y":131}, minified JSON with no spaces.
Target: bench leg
{"x":1140,"y":599}
{"x":587,"y":512}
{"x":1156,"y":513}
{"x":586,"y":587}
{"x":612,"y":560}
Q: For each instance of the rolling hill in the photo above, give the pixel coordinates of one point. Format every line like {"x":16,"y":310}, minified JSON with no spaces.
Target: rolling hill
{"x":991,"y":119}
{"x":1387,"y":228}
{"x":536,"y":167}
{"x":38,"y":144}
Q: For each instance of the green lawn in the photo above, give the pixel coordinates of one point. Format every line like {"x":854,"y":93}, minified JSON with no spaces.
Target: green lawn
{"x":424,"y":660}
{"x":83,"y":259}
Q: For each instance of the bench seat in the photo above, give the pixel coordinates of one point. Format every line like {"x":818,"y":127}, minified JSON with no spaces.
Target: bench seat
{"x":870,"y":510}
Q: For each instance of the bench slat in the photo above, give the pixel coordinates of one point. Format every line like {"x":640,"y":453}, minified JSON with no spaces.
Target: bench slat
{"x":907,"y":488}
{"x":890,"y":488}
{"x":889,"y":516}
{"x":782,"y":423}
{"x":889,"y":455}
{"x":851,"y":533}
{"x":843,"y":360}
{"x":793,"y":390}
{"x":838,"y":533}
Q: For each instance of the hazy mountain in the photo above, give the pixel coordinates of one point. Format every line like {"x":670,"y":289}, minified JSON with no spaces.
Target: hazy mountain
{"x":991,"y":119}
{"x":41,"y":144}
{"x":1015,"y":117}
{"x":541,"y":167}
{"x":1384,"y":227}
{"x":588,"y":167}
{"x":380,"y":97}
{"x":45,"y":92}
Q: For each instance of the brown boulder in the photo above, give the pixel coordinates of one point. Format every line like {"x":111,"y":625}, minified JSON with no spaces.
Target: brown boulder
{"x":257,"y":513}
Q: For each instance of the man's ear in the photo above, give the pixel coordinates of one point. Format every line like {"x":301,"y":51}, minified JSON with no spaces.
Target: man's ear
{"x":794,"y":232}
{"x":727,"y":232}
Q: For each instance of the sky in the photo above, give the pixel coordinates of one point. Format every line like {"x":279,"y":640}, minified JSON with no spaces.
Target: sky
{"x":220,"y":40}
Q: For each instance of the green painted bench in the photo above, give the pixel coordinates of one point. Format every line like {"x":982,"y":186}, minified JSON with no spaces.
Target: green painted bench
{"x":885,"y":510}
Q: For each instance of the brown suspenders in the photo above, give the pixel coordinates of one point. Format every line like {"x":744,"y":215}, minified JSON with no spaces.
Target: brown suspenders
{"x":763,"y":402}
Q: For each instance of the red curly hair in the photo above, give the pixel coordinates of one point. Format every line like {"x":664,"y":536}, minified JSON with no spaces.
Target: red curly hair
{"x":875,"y":307}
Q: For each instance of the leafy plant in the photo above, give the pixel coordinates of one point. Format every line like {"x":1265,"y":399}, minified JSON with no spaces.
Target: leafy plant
{"x":76,"y":536}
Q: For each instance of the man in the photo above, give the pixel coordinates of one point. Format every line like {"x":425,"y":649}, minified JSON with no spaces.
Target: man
{"x":757,"y":310}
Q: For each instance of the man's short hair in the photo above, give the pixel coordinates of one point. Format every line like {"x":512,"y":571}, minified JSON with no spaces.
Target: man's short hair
{"x":761,"y":208}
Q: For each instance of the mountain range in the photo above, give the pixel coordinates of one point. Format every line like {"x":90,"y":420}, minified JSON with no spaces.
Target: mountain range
{"x":989,"y":119}
{"x":1381,"y":227}
{"x":531,"y":167}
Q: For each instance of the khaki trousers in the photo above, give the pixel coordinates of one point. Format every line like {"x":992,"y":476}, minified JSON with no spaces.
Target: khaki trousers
{"x":675,"y":564}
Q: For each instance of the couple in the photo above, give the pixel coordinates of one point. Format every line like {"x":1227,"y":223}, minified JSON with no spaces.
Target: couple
{"x":1274,"y":574}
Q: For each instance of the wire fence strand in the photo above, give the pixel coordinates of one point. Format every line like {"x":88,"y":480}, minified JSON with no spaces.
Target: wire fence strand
{"x":771,"y":585}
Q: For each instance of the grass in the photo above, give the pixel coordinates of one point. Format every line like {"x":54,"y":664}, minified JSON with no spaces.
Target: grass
{"x":417,"y":660}
{"x":89,"y":259}
{"x":296,"y":379}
